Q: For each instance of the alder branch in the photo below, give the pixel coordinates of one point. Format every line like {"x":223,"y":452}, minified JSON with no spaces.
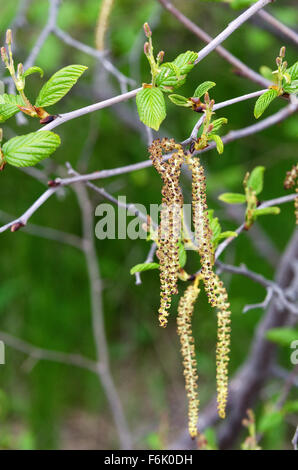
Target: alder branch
{"x":41,"y":354}
{"x":244,"y":271}
{"x":62,"y":118}
{"x":47,"y":30}
{"x":104,"y":371}
{"x":240,"y":67}
{"x":278,"y":26}
{"x":99,"y":55}
{"x":272,"y":202}
{"x":252,"y":10}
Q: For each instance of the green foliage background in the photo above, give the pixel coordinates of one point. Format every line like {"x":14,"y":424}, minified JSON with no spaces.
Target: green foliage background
{"x":44,"y":290}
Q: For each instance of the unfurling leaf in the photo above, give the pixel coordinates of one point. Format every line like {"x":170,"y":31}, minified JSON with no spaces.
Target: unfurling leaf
{"x":217,"y":123}
{"x":203,"y":88}
{"x":263,"y":102}
{"x":32,"y":70}
{"x":266,"y":211}
{"x":59,"y":84}
{"x":282,"y":336}
{"x":9,"y":106}
{"x":138,"y":268}
{"x":180,"y":100}
{"x":151,"y":107}
{"x":256,"y":179}
{"x":168,"y":78}
{"x":218,"y":142}
{"x":29,"y":149}
{"x":232,"y":198}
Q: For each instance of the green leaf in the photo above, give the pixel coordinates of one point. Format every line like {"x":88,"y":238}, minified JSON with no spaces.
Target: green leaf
{"x":263,"y":102}
{"x":167,"y":78}
{"x":180,"y":100}
{"x":256,"y":179}
{"x":292,"y":88}
{"x":232,"y":198}
{"x":29,"y":149}
{"x":227,"y":234}
{"x":282,"y":336}
{"x":151,"y":107}
{"x":182,"y":255}
{"x":214,"y":225}
{"x":138,"y":268}
{"x":270,"y":421}
{"x":293,"y":71}
{"x":59,"y":84}
{"x":8,"y":106}
{"x":218,"y":123}
{"x":266,"y":211}
{"x":218,"y":141}
{"x":202,"y":89}
{"x":32,"y":70}
{"x":266,"y":72}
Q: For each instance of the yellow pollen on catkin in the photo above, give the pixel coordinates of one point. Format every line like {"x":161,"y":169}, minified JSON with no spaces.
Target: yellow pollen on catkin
{"x":185,"y":311}
{"x":215,"y":290}
{"x":169,"y":229}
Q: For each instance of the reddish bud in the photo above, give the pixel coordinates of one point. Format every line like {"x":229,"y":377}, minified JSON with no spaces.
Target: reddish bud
{"x":17,"y":226}
{"x":147,"y":30}
{"x":146,"y":48}
{"x":53,"y":183}
{"x":160,"y":56}
{"x":282,"y":51}
{"x":4,"y":54}
{"x":8,"y":37}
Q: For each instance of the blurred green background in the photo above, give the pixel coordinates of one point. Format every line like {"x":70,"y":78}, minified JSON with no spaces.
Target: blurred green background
{"x":44,"y":289}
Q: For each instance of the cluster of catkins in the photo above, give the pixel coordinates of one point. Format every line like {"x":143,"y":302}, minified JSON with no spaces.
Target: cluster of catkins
{"x":169,"y":233}
{"x":291,"y":180}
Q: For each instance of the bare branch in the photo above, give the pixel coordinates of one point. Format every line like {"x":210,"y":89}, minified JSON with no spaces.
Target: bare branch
{"x":99,"y":336}
{"x":62,"y":118}
{"x":242,"y":270}
{"x":99,"y":55}
{"x":231,"y":28}
{"x":272,"y":202}
{"x":240,"y":67}
{"x":278,"y":26}
{"x":41,"y":354}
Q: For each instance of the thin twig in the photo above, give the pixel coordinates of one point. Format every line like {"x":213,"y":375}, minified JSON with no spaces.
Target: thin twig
{"x":104,"y":372}
{"x":42,"y":354}
{"x":240,"y":67}
{"x":252,"y":10}
{"x":278,"y":26}
{"x":243,"y":271}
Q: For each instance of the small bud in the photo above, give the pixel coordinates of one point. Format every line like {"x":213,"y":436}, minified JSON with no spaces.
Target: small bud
{"x":285,"y":64}
{"x":17,"y":226}
{"x":8,"y":37}
{"x":282,"y":51}
{"x":207,"y":98}
{"x":54,"y":183}
{"x":20,"y":70}
{"x":211,"y":104}
{"x":210,"y":128}
{"x":1,"y":134}
{"x":148,"y":32}
{"x":160,"y":56}
{"x":146,"y":48}
{"x":278,"y":61}
{"x":4,"y":54}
